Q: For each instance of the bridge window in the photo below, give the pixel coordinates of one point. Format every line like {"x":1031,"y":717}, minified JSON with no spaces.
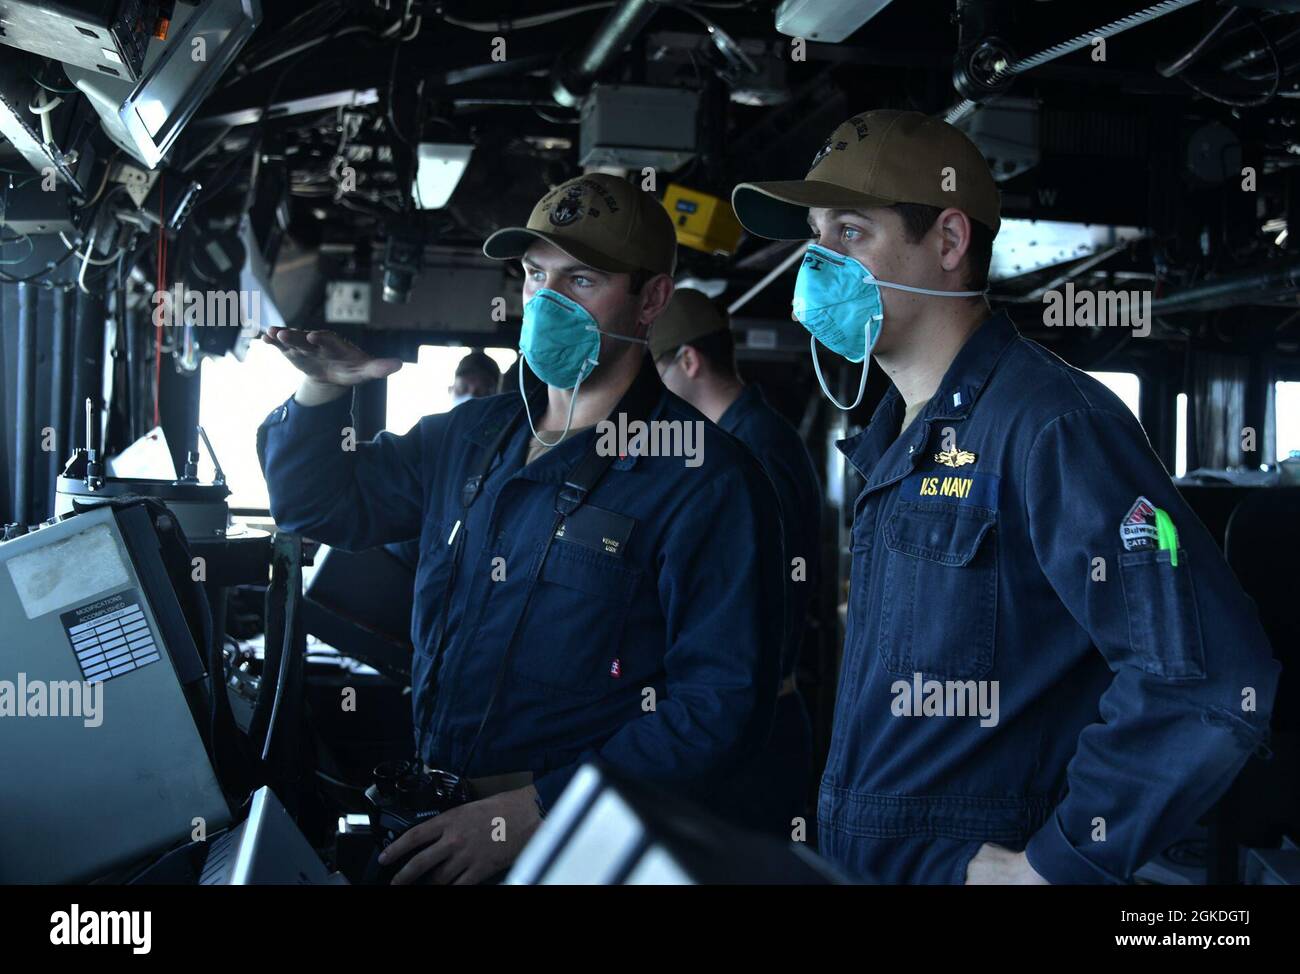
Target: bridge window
{"x":234,"y":398}
{"x":1126,"y":385}
{"x":424,"y":387}
{"x":1287,"y":410}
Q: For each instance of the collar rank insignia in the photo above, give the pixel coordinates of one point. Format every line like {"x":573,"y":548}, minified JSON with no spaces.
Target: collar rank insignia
{"x":955,"y":457}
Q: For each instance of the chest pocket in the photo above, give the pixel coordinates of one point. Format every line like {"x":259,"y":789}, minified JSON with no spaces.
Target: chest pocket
{"x":938,"y":611}
{"x":574,"y":629}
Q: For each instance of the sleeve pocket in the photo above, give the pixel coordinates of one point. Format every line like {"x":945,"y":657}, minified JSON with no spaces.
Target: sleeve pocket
{"x":1163,"y":623}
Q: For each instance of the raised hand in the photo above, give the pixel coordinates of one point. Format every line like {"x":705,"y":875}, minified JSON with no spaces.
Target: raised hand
{"x":329,"y":363}
{"x":326,"y":357}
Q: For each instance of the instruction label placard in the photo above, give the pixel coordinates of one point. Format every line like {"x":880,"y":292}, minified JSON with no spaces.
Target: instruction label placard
{"x":110,"y":637}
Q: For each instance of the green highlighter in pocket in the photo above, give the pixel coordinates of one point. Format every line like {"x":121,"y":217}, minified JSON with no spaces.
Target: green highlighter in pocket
{"x":1167,"y":536}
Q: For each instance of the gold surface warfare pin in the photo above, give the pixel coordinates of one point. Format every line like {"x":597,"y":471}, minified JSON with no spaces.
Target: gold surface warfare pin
{"x":955,"y":457}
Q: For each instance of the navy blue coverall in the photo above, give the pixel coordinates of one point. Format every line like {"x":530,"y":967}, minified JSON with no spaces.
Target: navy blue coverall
{"x":668,"y":580}
{"x":988,"y":555}
{"x":786,"y":765}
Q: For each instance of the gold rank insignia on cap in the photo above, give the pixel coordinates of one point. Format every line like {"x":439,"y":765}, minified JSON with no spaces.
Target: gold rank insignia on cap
{"x":955,"y":457}
{"x":599,"y":220}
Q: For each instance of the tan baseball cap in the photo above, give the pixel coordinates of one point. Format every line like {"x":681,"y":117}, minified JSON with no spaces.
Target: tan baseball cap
{"x":876,"y":159}
{"x":690,"y":315}
{"x":601,"y":220}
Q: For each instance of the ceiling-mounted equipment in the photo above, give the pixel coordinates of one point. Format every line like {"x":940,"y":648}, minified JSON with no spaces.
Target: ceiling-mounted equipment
{"x":986,"y":68}
{"x":31,"y":146}
{"x":448,"y":290}
{"x":634,"y":126}
{"x":825,"y":21}
{"x":26,"y":208}
{"x":403,"y":254}
{"x":107,"y":36}
{"x":1007,"y":134}
{"x":439,"y":166}
{"x":979,"y":71}
{"x":179,"y":73}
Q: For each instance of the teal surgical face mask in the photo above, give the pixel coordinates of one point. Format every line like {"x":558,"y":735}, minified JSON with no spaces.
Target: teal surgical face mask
{"x":838,"y":300}
{"x":560,"y":341}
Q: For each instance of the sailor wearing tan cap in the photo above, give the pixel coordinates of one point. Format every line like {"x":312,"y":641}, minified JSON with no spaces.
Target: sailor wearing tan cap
{"x":1049,"y":671}
{"x":571,"y":604}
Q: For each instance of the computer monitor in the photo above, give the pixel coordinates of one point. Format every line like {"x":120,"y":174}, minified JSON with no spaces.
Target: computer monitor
{"x":179,"y":73}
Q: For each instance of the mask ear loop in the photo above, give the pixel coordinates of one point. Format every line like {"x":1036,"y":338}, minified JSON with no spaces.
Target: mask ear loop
{"x":568,"y":420}
{"x":862,"y":383}
{"x":621,"y":338}
{"x":925,"y":290}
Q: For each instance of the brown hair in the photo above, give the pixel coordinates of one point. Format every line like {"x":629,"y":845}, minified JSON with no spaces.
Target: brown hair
{"x":918,"y":218}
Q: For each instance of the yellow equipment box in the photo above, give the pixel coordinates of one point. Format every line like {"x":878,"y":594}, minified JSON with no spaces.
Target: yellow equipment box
{"x":703,"y":221}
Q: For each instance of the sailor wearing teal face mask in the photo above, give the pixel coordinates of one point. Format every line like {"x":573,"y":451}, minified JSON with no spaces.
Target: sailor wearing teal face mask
{"x":569,"y":606}
{"x":560,"y":342}
{"x":994,"y":478}
{"x":838,"y":300}
{"x":598,"y":258}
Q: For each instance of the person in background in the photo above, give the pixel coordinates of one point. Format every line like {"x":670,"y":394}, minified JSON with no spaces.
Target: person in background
{"x":477,"y":375}
{"x":695,"y":353}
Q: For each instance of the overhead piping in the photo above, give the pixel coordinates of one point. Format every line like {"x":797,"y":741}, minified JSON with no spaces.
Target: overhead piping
{"x":572,"y":79}
{"x":1250,"y":287}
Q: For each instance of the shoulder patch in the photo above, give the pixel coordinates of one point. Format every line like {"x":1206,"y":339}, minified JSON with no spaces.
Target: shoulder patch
{"x":1138,"y":529}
